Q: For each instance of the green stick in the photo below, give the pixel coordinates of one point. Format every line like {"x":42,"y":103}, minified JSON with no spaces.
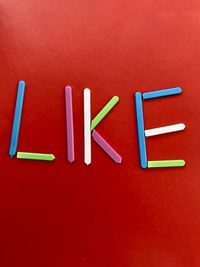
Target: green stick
{"x":166,"y":163}
{"x":105,"y":110}
{"x":35,"y":156}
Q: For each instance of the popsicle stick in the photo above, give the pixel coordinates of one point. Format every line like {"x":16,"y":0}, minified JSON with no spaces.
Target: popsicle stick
{"x":70,"y":124}
{"x":161,"y":93}
{"x":87,"y":123}
{"x":105,"y":110}
{"x":165,"y":129}
{"x":140,"y":129}
{"x":17,"y":119}
{"x":106,"y":147}
{"x":166,"y":163}
{"x":35,"y":156}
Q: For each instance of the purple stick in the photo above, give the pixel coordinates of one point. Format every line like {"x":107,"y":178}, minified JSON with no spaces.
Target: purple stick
{"x":106,"y":147}
{"x":70,"y":124}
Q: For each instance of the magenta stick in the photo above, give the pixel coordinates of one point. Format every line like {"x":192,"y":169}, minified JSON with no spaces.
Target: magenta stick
{"x":106,"y":147}
{"x":70,"y":124}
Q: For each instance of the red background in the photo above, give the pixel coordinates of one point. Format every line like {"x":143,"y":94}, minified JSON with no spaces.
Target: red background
{"x":58,"y":214}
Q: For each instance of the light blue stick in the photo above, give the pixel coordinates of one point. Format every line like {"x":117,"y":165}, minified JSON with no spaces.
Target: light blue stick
{"x":161,"y":93}
{"x":140,"y":129}
{"x":17,"y":119}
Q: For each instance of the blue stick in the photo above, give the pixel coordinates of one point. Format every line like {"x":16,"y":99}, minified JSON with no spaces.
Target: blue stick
{"x":17,"y":118}
{"x":140,"y":129}
{"x":160,"y":93}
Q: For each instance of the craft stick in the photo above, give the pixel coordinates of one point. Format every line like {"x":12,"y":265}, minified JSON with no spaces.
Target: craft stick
{"x":35,"y":156}
{"x":161,"y":93}
{"x":70,"y":124}
{"x":165,"y":129}
{"x":166,"y":163}
{"x":140,"y":129}
{"x":105,"y":110}
{"x":87,"y":123}
{"x":17,"y":119}
{"x":106,"y":147}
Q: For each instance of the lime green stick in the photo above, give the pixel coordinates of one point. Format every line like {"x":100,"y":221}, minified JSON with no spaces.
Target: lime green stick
{"x":166,"y":163}
{"x":105,"y":110}
{"x":35,"y":156}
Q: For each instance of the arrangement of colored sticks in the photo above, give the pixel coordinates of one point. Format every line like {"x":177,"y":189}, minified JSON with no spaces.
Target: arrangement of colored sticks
{"x":16,"y":128}
{"x":142,"y":133}
{"x":90,"y":128}
{"x":91,"y":125}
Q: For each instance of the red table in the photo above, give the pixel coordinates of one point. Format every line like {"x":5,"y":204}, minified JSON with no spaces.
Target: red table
{"x":61,"y":214}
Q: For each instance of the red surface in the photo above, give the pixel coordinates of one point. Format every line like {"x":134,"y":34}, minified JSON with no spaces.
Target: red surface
{"x":106,"y":214}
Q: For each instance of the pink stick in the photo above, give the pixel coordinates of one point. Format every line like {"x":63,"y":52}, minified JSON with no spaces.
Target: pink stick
{"x":106,"y":147}
{"x":70,"y":124}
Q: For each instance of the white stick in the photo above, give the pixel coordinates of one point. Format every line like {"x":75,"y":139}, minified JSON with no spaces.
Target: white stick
{"x":165,"y":129}
{"x":87,"y":125}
